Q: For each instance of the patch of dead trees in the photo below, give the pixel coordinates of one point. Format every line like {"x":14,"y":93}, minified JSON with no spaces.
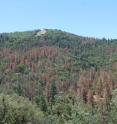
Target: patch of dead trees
{"x":95,"y":86}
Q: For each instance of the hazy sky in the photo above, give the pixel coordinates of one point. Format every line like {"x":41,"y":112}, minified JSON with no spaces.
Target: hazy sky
{"x":96,"y":18}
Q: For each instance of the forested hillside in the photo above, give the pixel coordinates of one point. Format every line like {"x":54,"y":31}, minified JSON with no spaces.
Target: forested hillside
{"x":55,"y":77}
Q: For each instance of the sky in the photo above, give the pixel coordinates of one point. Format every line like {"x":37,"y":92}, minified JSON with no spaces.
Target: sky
{"x":93,"y":18}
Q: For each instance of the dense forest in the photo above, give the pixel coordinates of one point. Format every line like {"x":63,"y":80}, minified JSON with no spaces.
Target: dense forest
{"x":54,"y":77}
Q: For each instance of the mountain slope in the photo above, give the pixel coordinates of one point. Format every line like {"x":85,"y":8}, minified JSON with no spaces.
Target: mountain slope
{"x":57,"y":70}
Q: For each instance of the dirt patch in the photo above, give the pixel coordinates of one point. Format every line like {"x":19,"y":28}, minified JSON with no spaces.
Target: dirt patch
{"x":41,"y":33}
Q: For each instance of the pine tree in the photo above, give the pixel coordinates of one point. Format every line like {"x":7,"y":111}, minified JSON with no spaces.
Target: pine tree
{"x":53,"y":92}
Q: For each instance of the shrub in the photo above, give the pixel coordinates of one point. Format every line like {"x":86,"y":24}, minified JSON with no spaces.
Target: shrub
{"x":18,"y":110}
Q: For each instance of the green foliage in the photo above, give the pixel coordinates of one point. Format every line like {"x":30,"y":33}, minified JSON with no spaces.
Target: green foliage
{"x":53,"y":92}
{"x":113,"y":110}
{"x":18,"y":89}
{"x":21,"y":68}
{"x":40,"y":100}
{"x":18,"y":110}
{"x":71,"y":110}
